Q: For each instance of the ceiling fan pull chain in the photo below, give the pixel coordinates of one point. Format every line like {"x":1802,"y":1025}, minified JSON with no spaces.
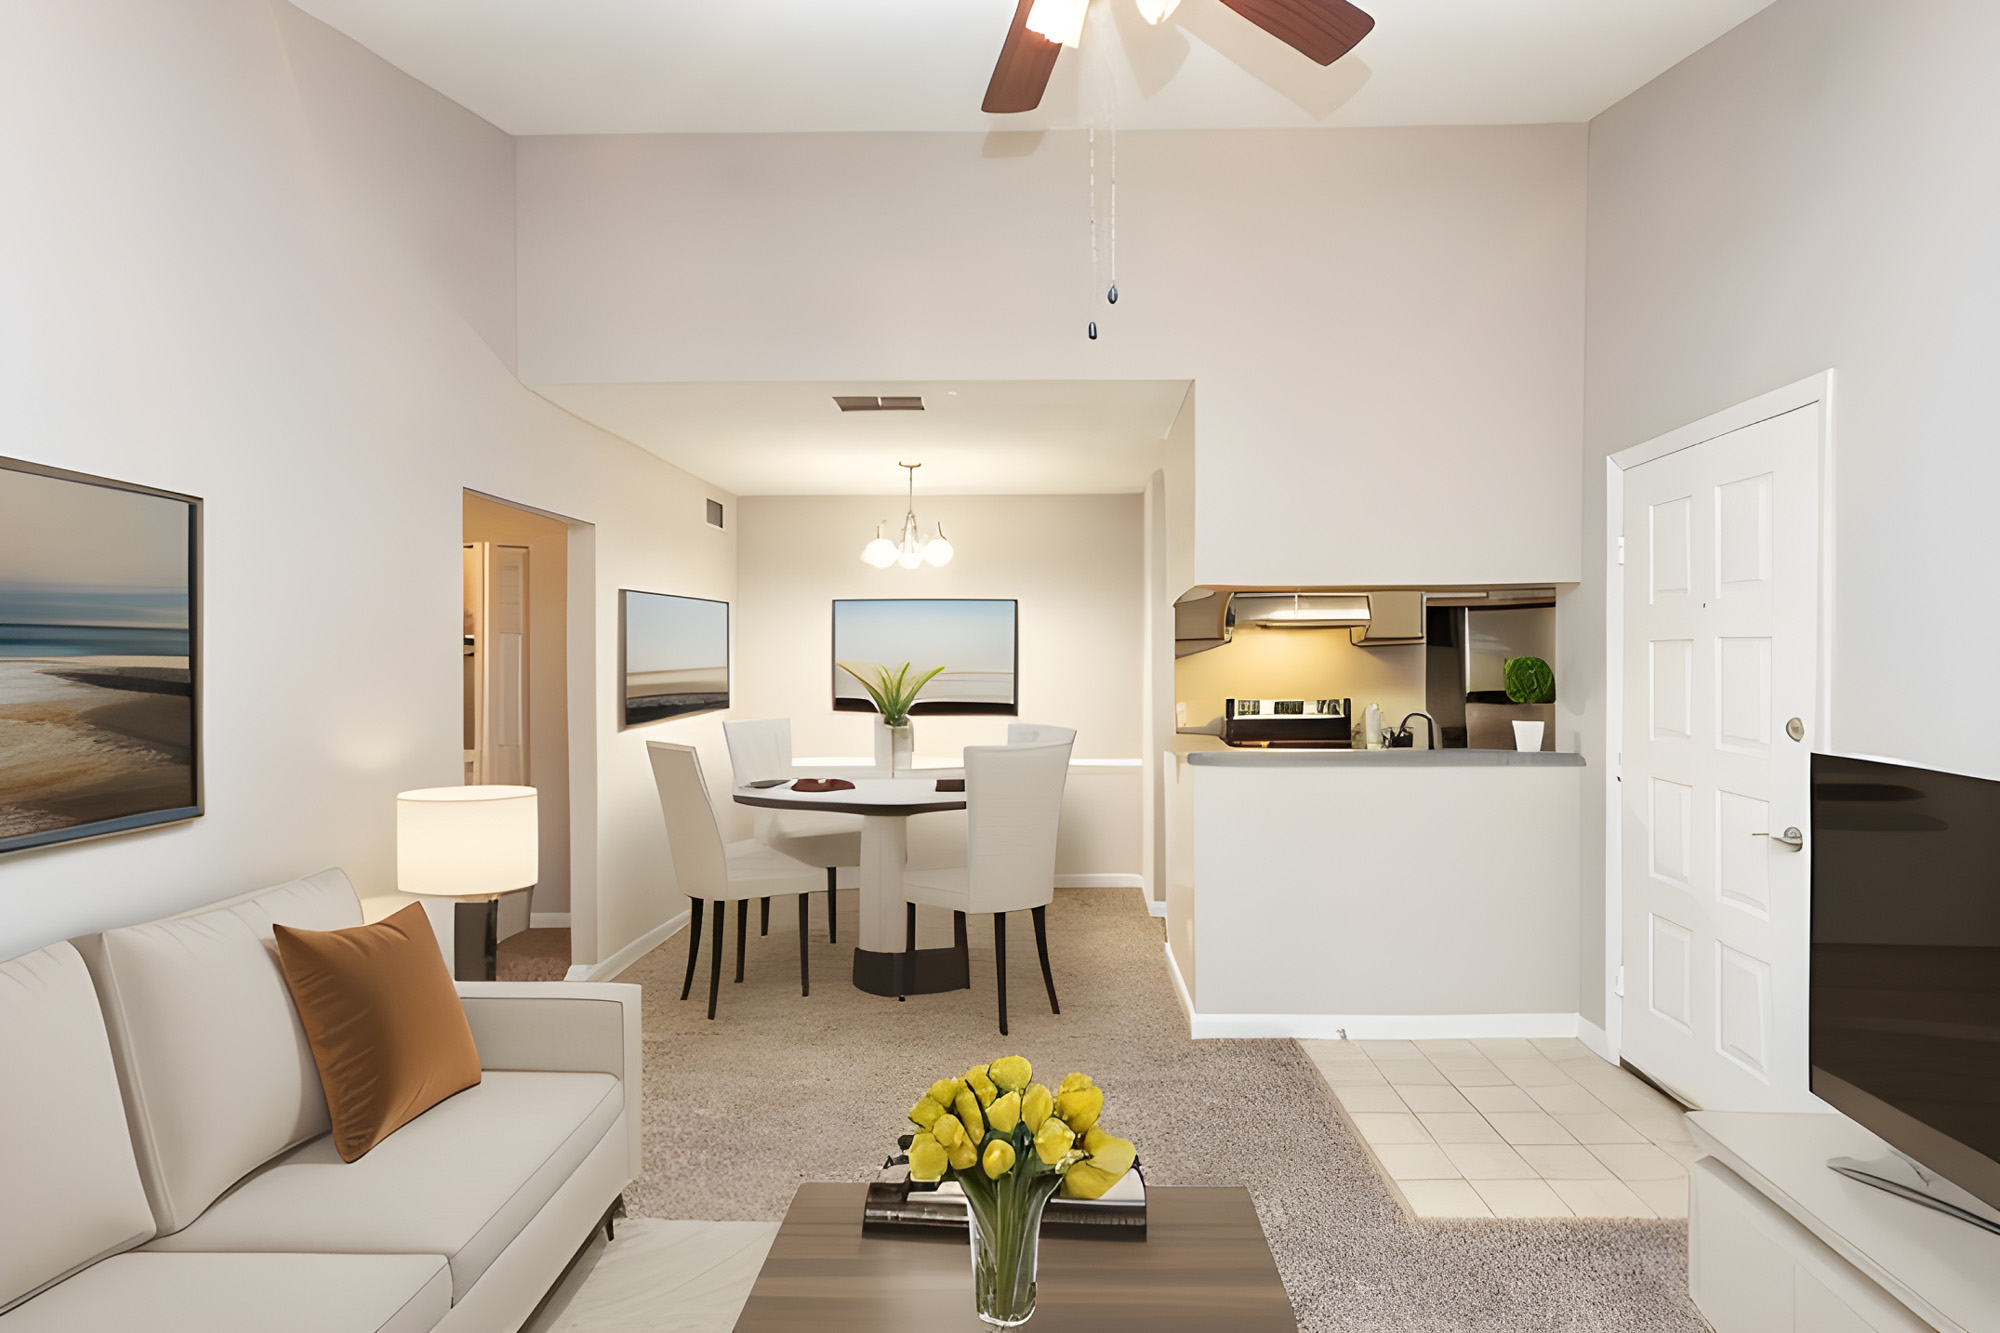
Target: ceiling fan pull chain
{"x":1090,"y":140}
{"x":1112,"y":295}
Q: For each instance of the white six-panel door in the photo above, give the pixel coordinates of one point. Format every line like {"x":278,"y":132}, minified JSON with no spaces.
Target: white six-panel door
{"x":1721,"y":634}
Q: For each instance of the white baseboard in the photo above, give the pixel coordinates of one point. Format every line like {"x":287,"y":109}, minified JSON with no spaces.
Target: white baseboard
{"x":1596,"y":1038}
{"x":1155,"y":908}
{"x":1100,"y":882}
{"x":631,"y":953}
{"x":548,"y":921}
{"x":1367,"y":1027}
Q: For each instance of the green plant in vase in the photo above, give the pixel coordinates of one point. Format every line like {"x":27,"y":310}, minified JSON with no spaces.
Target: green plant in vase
{"x":892,"y":689}
{"x":1011,"y":1144}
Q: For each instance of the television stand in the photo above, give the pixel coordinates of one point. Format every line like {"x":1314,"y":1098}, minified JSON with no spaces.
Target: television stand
{"x":1912,"y":1180}
{"x":1779,"y":1243}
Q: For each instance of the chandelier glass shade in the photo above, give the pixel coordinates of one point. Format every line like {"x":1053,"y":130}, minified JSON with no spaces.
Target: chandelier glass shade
{"x":909,"y":550}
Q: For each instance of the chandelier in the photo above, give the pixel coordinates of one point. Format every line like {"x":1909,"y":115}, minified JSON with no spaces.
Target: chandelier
{"x":910,"y":550}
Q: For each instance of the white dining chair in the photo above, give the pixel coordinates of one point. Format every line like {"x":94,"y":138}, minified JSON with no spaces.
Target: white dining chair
{"x":762,"y":749}
{"x":1035,"y":733}
{"x":1013,"y":809}
{"x":710,"y":870}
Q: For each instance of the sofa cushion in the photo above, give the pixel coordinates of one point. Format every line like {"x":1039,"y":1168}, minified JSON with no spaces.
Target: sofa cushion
{"x":217,"y":1074}
{"x":460,"y":1180}
{"x":69,"y":1188}
{"x":244,"y":1293}
{"x":387,"y":1030}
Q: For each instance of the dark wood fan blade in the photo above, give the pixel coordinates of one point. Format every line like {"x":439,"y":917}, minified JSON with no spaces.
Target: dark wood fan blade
{"x":1022,"y":72}
{"x":1321,"y":30}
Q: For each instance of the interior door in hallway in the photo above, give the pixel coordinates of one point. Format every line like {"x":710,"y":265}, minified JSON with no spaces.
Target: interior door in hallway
{"x":1721,"y":642}
{"x":497,"y":623}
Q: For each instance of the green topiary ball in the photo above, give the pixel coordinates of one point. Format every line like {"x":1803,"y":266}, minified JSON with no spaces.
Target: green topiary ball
{"x":1529,"y":681}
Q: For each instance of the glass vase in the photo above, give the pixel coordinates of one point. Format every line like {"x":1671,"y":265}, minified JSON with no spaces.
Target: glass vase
{"x":1005,"y":1221}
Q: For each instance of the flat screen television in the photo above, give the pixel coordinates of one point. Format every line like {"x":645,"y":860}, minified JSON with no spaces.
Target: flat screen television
{"x":1905,"y":1009}
{"x":100,"y":656}
{"x":673,"y":655}
{"x":975,"y":640}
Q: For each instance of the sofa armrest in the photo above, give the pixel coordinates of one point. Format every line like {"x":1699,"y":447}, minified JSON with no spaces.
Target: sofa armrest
{"x":587,"y":1027}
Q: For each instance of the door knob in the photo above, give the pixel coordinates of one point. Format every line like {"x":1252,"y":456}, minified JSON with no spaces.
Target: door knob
{"x":1791,"y":838}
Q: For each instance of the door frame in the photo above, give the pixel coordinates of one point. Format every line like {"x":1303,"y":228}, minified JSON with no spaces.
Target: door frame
{"x":1814,"y":390}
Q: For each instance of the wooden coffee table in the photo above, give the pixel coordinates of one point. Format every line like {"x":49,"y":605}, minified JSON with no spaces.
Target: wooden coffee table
{"x":1204,"y":1265}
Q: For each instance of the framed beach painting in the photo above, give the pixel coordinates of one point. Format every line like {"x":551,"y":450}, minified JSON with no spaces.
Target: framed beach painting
{"x":100,"y":656}
{"x":975,"y":640}
{"x":673,"y":654}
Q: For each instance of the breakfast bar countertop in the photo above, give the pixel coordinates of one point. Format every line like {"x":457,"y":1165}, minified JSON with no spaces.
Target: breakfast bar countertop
{"x":1288,"y":758}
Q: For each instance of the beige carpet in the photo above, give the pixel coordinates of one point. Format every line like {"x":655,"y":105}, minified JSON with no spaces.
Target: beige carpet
{"x":533,"y":955}
{"x":779,"y":1090}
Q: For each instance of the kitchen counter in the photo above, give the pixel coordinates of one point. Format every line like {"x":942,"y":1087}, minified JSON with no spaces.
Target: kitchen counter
{"x":1250,"y":758}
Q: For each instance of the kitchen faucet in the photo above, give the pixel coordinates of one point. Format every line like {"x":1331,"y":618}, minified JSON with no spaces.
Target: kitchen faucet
{"x":1432,"y":734}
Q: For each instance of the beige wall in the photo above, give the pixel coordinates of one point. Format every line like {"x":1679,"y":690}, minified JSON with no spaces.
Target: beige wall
{"x":244,"y":259}
{"x":1817,"y":189}
{"x":1385,"y":326}
{"x":1074,"y":562}
{"x":548,"y":677}
{"x":1260,"y":663}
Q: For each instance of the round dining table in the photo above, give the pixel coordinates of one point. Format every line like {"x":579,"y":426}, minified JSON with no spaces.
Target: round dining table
{"x":884,"y":805}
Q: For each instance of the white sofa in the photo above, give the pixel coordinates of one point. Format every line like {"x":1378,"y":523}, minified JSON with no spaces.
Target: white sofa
{"x":165,"y":1162}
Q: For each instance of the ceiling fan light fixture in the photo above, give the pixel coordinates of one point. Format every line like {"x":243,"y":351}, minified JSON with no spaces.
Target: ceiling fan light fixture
{"x":1059,"y":20}
{"x":1157,"y":12}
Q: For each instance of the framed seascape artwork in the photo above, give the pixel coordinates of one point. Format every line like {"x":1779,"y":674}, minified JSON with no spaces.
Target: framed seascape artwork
{"x":674,"y":655}
{"x":973,"y":639}
{"x":100,"y":656}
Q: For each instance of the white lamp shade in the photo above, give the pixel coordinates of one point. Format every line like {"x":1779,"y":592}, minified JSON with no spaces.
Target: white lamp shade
{"x":939,"y":551}
{"x":880,"y":553}
{"x":466,"y":842}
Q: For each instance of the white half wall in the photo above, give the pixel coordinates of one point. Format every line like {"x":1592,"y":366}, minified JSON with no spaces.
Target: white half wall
{"x":1356,"y":889}
{"x":242,"y":258}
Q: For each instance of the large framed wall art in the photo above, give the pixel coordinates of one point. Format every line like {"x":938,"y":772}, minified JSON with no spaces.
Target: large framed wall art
{"x":100,"y":656}
{"x":673,"y":655}
{"x":975,"y":640}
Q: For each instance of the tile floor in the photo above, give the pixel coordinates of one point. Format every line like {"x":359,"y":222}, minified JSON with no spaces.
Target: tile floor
{"x":1508,"y":1127}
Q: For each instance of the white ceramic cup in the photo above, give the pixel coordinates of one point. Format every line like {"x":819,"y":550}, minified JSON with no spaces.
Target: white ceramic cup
{"x":1528,"y":735}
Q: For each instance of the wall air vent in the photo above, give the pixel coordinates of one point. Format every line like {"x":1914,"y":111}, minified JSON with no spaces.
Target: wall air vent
{"x":886,"y":403}
{"x":715,"y":513}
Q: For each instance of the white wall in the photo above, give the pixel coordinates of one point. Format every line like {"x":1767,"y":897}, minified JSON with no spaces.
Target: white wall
{"x":1386,"y":326}
{"x":1404,"y":891}
{"x":1817,"y":189}
{"x":1076,"y":565}
{"x":242,"y":258}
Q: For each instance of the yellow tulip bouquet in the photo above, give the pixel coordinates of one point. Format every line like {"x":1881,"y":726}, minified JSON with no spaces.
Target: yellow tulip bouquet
{"x":1010,"y":1143}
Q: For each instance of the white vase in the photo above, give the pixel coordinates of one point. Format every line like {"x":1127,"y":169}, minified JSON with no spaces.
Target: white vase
{"x":1528,"y":735}
{"x":893,"y":747}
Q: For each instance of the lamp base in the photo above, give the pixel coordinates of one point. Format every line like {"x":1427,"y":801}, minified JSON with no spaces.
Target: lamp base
{"x":475,"y":941}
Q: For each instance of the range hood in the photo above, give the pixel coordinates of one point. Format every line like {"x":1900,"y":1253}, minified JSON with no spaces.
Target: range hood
{"x":1292,"y":610}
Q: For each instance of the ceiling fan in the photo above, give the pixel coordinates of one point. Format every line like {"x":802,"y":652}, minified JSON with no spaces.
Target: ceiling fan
{"x":1321,"y":30}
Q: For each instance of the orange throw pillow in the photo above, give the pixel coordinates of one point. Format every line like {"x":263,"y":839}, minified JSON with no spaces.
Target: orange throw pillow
{"x":387,"y":1030}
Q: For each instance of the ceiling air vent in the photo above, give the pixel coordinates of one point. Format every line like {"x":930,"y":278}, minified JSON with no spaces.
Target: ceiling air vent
{"x":887,"y":403}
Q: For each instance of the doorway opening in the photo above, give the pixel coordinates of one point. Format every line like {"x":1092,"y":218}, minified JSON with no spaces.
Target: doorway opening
{"x":516,"y":708}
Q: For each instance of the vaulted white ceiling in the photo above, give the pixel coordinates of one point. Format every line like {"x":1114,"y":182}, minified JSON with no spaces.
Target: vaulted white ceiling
{"x":973,"y":438}
{"x":720,"y":66}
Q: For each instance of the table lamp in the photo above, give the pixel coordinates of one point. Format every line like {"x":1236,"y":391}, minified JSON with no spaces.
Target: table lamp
{"x":471,"y":844}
